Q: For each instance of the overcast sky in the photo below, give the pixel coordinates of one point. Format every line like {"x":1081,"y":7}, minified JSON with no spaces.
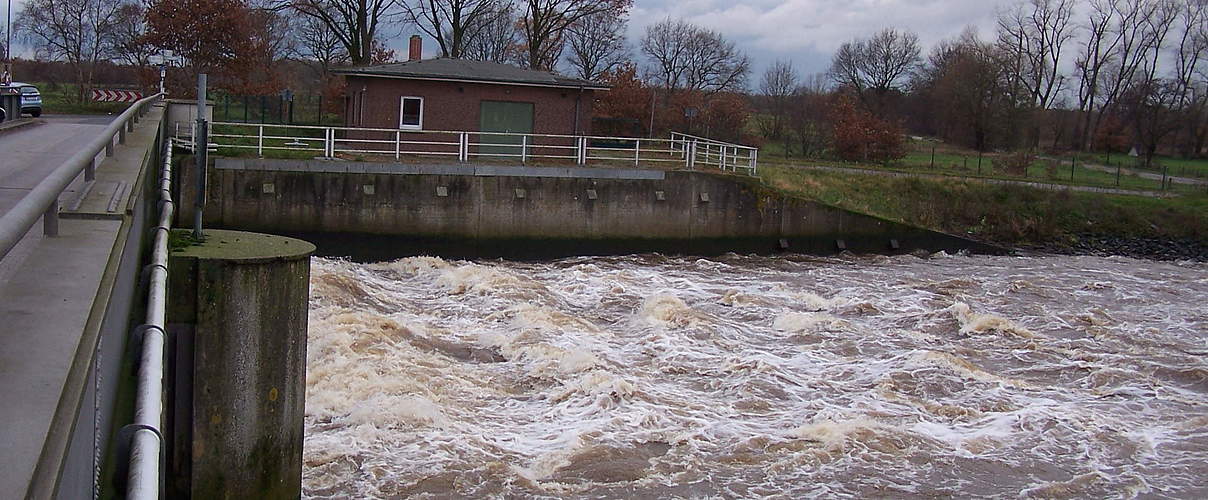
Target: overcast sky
{"x":805,"y":32}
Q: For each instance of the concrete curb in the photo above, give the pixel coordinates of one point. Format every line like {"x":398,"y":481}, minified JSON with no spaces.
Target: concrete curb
{"x":11,"y":125}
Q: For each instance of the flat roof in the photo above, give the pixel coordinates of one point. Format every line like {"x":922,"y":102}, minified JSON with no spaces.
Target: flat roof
{"x":463,"y":70}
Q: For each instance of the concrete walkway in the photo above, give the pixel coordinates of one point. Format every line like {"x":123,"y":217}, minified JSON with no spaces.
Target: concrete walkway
{"x":1031,"y":184}
{"x":51,"y":311}
{"x":1146,"y":175}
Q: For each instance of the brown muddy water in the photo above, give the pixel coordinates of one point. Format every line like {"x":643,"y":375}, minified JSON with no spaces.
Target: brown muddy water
{"x":741,"y":377}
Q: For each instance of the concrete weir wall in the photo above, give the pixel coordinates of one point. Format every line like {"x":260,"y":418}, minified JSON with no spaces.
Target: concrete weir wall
{"x":550,"y":211}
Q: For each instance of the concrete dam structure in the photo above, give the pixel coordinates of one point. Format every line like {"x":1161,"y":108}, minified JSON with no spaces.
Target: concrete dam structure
{"x":374,"y":211}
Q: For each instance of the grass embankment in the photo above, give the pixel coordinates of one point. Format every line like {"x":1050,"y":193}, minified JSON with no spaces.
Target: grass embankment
{"x":62,"y":98}
{"x":951,"y":160}
{"x":1003,"y":214}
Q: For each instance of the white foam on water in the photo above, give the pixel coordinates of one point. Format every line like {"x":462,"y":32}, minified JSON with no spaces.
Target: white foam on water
{"x":743,"y":376}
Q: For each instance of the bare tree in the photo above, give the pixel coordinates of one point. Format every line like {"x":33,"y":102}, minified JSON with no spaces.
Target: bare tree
{"x":495,"y":37}
{"x":317,"y":42}
{"x":274,"y":29}
{"x":965,"y":83}
{"x":688,"y":57}
{"x":597,"y":45}
{"x":544,"y":24}
{"x":1191,"y":63}
{"x":1150,"y":107}
{"x":452,"y":23}
{"x":665,"y":43}
{"x":127,"y":39}
{"x":808,"y":116}
{"x":1126,"y":37}
{"x":1032,"y":35}
{"x":76,"y":31}
{"x":776,"y":88}
{"x":356,"y":23}
{"x":874,"y":67}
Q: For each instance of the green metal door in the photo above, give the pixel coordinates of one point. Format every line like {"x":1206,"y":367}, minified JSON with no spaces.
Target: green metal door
{"x":504,"y":116}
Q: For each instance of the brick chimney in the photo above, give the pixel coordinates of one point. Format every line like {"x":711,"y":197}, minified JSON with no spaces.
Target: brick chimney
{"x":416,"y":51}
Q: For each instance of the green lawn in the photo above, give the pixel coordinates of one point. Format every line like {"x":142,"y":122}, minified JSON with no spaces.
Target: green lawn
{"x":955,"y":161}
{"x":1005,"y":214}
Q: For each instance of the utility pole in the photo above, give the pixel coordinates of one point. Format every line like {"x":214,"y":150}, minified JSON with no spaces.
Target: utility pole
{"x":201,"y":145}
{"x":8,"y":47}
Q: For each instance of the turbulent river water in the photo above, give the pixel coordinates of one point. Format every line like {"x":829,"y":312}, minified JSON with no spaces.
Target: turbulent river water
{"x":735,"y":377}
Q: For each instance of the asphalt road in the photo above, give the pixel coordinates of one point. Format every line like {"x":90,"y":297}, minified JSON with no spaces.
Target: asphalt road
{"x":29,"y":153}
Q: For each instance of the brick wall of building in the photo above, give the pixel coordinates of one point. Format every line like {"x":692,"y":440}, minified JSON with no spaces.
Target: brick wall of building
{"x":374,"y":103}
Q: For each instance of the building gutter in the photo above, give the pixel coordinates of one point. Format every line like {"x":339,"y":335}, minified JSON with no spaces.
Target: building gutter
{"x":471,"y":80}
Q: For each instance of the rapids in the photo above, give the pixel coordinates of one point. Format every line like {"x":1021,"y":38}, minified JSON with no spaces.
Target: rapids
{"x":657,"y":377}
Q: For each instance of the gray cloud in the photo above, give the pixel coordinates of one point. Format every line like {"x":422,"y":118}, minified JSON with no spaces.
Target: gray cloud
{"x":807,"y":32}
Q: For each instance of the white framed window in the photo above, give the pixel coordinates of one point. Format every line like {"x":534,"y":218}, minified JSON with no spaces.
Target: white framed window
{"x":411,"y":113}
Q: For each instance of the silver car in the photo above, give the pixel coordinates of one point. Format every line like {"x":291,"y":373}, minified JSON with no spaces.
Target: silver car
{"x":31,"y":99}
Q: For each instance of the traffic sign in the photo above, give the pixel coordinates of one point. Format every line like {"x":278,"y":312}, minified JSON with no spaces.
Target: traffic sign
{"x":103,"y":95}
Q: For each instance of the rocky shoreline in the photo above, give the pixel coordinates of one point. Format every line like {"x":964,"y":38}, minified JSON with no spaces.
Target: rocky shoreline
{"x":1141,"y":248}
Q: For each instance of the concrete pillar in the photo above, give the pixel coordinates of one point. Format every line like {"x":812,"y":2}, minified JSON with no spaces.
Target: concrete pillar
{"x":237,"y":313}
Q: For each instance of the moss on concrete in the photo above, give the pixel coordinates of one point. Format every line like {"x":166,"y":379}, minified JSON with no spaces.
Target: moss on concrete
{"x":238,"y":246}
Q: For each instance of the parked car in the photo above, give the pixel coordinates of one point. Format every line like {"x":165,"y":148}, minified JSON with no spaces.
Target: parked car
{"x":31,"y":99}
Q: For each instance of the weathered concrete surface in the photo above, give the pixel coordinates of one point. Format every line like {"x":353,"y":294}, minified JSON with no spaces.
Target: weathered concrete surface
{"x":240,"y":301}
{"x":691,"y":212}
{"x":63,"y":301}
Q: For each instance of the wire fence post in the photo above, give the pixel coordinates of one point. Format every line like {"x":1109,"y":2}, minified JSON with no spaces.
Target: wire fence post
{"x":1073,"y":162}
{"x":202,"y":146}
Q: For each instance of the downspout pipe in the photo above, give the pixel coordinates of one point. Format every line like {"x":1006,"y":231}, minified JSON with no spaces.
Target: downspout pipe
{"x":578,"y":102}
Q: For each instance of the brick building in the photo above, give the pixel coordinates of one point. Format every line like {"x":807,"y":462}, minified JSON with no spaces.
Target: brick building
{"x":441,"y":94}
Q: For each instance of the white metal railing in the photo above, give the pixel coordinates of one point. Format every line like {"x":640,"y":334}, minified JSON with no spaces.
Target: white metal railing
{"x":43,"y":200}
{"x":723,"y":155}
{"x":679,"y":149}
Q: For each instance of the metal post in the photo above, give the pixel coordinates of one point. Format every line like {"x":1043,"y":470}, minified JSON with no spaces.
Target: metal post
{"x":933,"y":155}
{"x":1073,"y":161}
{"x":109,"y":147}
{"x":50,"y":220}
{"x":121,"y":134}
{"x":397,"y":139}
{"x":90,"y":170}
{"x":523,"y":149}
{"x":202,"y":146}
{"x":637,"y":151}
{"x":979,"y":158}
{"x":260,"y":141}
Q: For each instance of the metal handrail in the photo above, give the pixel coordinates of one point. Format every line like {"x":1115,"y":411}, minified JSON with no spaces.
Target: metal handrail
{"x":389,"y":141}
{"x":145,"y":473}
{"x":43,"y":199}
{"x":705,"y":139}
